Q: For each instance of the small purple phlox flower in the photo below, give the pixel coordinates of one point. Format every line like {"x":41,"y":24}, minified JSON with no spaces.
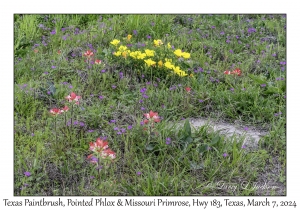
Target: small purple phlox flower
{"x":225,"y":154}
{"x":27,"y":173}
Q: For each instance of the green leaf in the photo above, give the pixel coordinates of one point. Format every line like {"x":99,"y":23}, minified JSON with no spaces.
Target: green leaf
{"x":203,"y":148}
{"x":149,"y":147}
{"x":273,"y":90}
{"x":188,"y":140}
{"x":187,"y":128}
{"x":215,"y":140}
{"x":257,"y":79}
{"x":196,"y":166}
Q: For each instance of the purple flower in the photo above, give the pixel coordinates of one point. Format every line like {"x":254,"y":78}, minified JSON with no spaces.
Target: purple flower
{"x":113,"y":86}
{"x":246,"y":128}
{"x":99,"y":168}
{"x":274,"y":54}
{"x":163,"y":106}
{"x":232,"y":89}
{"x":90,"y":131}
{"x":123,"y":130}
{"x":168,"y":140}
{"x":282,"y":63}
{"x":225,"y":154}
{"x":200,"y":101}
{"x":231,"y":51}
{"x":213,"y":27}
{"x":119,"y":133}
{"x":148,"y":37}
{"x":81,"y":124}
{"x":227,"y":41}
{"x":277,"y":114}
{"x":53,"y":32}
{"x":53,"y":67}
{"x":116,"y":128}
{"x":141,"y":123}
{"x":75,"y":122}
{"x":142,"y":108}
{"x":48,"y":92}
{"x":263,"y":85}
{"x":46,"y":72}
{"x":101,"y":97}
{"x":143,"y":90}
{"x":129,"y":127}
{"x":70,"y":86}
{"x":92,"y":177}
{"x":32,"y":134}
{"x":251,"y":30}
{"x":27,"y":173}
{"x":244,"y":147}
{"x":121,"y":75}
{"x":145,"y":96}
{"x":222,"y":33}
{"x":103,"y":71}
{"x":140,"y":101}
{"x":134,"y":32}
{"x":138,"y":173}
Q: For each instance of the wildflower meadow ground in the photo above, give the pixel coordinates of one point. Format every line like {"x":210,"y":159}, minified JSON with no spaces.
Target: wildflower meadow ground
{"x":102,"y":104}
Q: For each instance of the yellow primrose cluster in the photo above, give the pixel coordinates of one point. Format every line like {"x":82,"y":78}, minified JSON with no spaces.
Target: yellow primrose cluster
{"x":176,"y":69}
{"x":148,"y":53}
{"x":179,"y":53}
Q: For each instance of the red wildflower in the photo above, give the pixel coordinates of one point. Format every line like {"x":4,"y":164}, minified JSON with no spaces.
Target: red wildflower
{"x":188,"y":89}
{"x":65,"y":109}
{"x":99,"y":145}
{"x":108,"y":153}
{"x":55,"y":111}
{"x":227,"y":72}
{"x":237,"y":72}
{"x":152,"y":115}
{"x":73,"y":97}
{"x":97,"y":61}
{"x":88,"y":53}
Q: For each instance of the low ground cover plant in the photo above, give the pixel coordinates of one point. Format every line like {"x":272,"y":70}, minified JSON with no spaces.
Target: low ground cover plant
{"x":102,"y":103}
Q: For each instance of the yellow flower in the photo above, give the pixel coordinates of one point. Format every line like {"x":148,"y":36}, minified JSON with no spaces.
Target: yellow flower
{"x":150,"y":62}
{"x":141,"y":55}
{"x":122,"y":48}
{"x":134,"y":54}
{"x":169,"y":65}
{"x":124,"y":54}
{"x":118,"y":53}
{"x":157,"y":42}
{"x":160,"y":63}
{"x":129,"y":37}
{"x":182,"y":73}
{"x":178,"y":52}
{"x":149,"y":53}
{"x":168,"y":60}
{"x":169,"y":45}
{"x":186,"y":55}
{"x":115,"y":42}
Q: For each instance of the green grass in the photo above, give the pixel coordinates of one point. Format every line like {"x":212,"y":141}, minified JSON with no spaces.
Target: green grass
{"x":49,"y":65}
